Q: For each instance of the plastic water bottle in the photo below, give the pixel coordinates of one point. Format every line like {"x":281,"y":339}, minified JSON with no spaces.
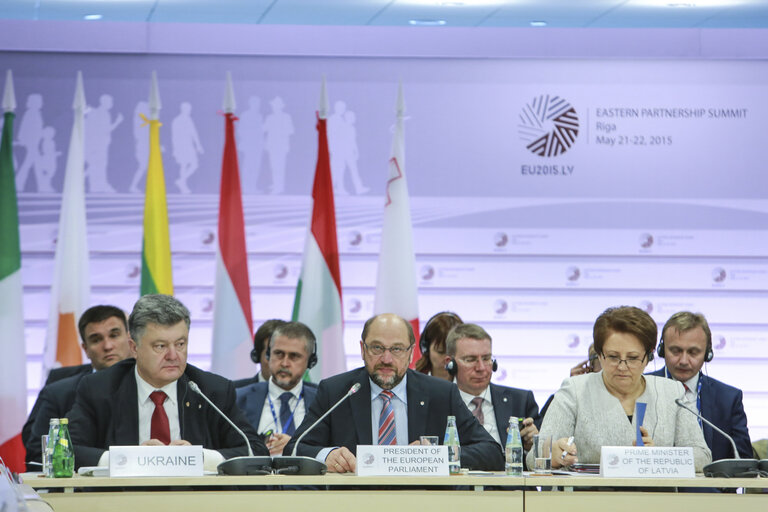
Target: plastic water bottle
{"x":513,"y":449}
{"x":63,"y":458}
{"x":454,"y":446}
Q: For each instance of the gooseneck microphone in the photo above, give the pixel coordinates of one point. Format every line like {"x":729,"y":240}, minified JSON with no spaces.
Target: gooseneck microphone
{"x":726,"y":468}
{"x":295,"y":465}
{"x":249,"y":465}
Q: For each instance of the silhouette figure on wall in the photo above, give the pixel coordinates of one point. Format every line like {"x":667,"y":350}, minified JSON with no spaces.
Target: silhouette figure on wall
{"x":278,"y":128}
{"x":29,"y":137}
{"x":98,"y":136}
{"x":141,"y":145}
{"x":342,"y":145}
{"x":46,"y":165}
{"x":250,"y":131}
{"x":186,"y":146}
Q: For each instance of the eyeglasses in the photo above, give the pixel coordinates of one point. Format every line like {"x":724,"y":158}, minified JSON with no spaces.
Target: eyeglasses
{"x":631,"y":362}
{"x":396,"y":350}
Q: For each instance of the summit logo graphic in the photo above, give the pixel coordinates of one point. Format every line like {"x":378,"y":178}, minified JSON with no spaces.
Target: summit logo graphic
{"x":549,"y":125}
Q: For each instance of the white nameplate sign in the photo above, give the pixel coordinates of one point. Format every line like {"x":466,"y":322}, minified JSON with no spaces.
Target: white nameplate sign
{"x":415,"y":460}
{"x":646,"y":462}
{"x":155,"y":461}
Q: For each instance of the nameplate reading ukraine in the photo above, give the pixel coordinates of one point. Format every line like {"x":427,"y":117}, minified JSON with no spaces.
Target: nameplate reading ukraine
{"x":155,"y":461}
{"x":646,"y":462}
{"x":411,"y":460}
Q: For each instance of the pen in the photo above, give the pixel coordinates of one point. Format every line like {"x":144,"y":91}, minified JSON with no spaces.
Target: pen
{"x":567,"y":444}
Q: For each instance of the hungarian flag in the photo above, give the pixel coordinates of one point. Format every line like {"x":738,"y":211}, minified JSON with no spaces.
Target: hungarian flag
{"x":396,"y":279}
{"x":318,"y":292}
{"x":70,"y":289}
{"x":156,"y":274}
{"x":232,"y":321}
{"x":13,"y":362}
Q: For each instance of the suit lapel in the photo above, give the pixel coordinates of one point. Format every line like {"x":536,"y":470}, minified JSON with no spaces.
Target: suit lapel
{"x":418,"y":407}
{"x":706,"y":409}
{"x":500,"y":409}
{"x":190,"y":412}
{"x":360,"y":403}
{"x":126,"y":412}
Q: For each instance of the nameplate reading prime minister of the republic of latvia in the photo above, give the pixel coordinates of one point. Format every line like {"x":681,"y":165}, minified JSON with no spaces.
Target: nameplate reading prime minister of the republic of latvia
{"x":411,"y":460}
{"x":155,"y":461}
{"x":647,"y":462}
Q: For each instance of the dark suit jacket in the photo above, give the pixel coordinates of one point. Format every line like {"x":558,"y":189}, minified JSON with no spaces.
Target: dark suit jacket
{"x":32,"y":442}
{"x":250,"y":400}
{"x":106,"y":413}
{"x":430,"y":402}
{"x":512,"y":402}
{"x":240,"y":383}
{"x":54,"y":401}
{"x":722,"y":405}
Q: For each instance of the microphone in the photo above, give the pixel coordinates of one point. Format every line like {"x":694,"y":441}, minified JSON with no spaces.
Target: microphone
{"x":249,"y":465}
{"x":725,"y":468}
{"x":296,"y":465}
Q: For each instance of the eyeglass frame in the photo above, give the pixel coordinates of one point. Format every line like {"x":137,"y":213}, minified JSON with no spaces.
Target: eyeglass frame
{"x":636,"y":361}
{"x":388,"y":349}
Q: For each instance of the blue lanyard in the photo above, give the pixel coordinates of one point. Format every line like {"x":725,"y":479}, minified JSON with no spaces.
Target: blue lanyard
{"x":290,"y":418}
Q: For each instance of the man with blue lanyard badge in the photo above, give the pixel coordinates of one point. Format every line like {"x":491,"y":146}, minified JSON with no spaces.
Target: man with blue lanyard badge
{"x":686,"y":344}
{"x":275,"y":408}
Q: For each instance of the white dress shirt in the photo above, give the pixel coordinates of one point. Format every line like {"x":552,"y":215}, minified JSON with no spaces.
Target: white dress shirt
{"x":270,"y":416}
{"x":489,"y":415}
{"x":147,"y":407}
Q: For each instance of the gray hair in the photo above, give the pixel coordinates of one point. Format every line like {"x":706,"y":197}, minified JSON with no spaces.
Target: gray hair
{"x":162,"y":310}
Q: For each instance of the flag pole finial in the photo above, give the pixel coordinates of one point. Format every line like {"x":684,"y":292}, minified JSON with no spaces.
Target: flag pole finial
{"x":79,"y":102}
{"x":154,"y":98}
{"x":323,"y":109}
{"x":229,"y":96}
{"x":400,"y":108}
{"x":9,"y":97}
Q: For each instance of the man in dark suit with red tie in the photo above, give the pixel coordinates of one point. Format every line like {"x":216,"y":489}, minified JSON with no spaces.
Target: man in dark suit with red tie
{"x":148,"y":401}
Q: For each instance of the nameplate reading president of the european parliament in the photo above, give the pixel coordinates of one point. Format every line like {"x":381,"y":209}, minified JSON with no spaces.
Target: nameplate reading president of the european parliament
{"x":646,"y":462}
{"x":411,"y":460}
{"x":155,"y":461}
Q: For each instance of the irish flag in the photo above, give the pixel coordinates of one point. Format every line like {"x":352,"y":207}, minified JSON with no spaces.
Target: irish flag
{"x":318,"y":293}
{"x":70,"y":289}
{"x":232,"y":321}
{"x":396,"y":278}
{"x":156,"y":274}
{"x":13,"y":363}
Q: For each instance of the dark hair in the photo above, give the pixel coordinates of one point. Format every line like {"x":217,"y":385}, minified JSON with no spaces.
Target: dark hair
{"x":162,"y":310}
{"x":294,"y":331}
{"x":629,"y":320}
{"x":408,"y":327}
{"x":461,"y":331}
{"x":434,"y":334}
{"x":98,"y":314}
{"x":264,"y":334}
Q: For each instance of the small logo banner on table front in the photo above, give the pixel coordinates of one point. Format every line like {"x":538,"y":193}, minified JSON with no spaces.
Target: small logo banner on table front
{"x":411,"y":460}
{"x":155,"y":461}
{"x":646,"y":462}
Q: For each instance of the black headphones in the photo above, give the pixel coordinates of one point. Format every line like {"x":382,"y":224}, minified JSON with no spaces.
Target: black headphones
{"x":311,"y":362}
{"x":452,"y":368}
{"x":707,"y":357}
{"x":423,"y":345}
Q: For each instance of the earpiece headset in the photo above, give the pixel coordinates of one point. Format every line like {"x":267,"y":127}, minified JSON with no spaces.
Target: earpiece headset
{"x":255,"y":356}
{"x":708,"y":356}
{"x":311,"y":362}
{"x":452,"y":368}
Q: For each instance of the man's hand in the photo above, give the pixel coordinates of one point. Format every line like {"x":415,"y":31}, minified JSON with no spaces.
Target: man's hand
{"x":581,"y":368}
{"x":527,"y":432}
{"x":341,"y":460}
{"x":276,"y":443}
{"x":180,"y":442}
{"x":153,"y":442}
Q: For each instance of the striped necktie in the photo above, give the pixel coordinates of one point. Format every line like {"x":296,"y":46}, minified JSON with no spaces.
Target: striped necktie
{"x":387,"y":419}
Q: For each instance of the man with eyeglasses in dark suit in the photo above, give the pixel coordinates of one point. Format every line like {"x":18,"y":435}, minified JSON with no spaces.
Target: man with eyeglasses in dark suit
{"x":394,"y":405}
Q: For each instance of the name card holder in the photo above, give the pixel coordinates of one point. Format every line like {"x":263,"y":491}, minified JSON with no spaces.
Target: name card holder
{"x":646,"y":462}
{"x":129,"y":461}
{"x":416,"y":460}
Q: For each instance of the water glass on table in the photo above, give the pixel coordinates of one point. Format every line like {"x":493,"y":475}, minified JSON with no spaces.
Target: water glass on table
{"x":542,"y":446}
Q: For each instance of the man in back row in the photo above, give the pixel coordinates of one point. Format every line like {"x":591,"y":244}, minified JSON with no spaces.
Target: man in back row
{"x":393,"y":406}
{"x":148,"y":400}
{"x":686,"y":344}
{"x":104,"y":334}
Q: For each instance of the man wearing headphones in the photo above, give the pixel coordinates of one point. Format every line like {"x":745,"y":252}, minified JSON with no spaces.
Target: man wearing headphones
{"x":469,"y":359}
{"x":686,"y":344}
{"x":275,"y":408}
{"x":259,"y":352}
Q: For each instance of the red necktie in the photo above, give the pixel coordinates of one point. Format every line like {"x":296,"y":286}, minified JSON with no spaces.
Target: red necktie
{"x":160,"y":428}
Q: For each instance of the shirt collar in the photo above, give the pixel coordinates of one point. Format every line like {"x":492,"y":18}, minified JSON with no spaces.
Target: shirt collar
{"x":145,"y":389}
{"x":692,"y":383}
{"x":275,"y":391}
{"x":467,"y":397}
{"x":399,"y":391}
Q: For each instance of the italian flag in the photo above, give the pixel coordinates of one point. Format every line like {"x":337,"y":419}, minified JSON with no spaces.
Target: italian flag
{"x":70,"y":290}
{"x":156,"y":273}
{"x":396,"y":290}
{"x":13,"y":363}
{"x":318,"y":293}
{"x":232,"y":321}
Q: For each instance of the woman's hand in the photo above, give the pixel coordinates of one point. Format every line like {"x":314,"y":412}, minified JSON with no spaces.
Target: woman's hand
{"x":558,"y":447}
{"x":647,"y":440}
